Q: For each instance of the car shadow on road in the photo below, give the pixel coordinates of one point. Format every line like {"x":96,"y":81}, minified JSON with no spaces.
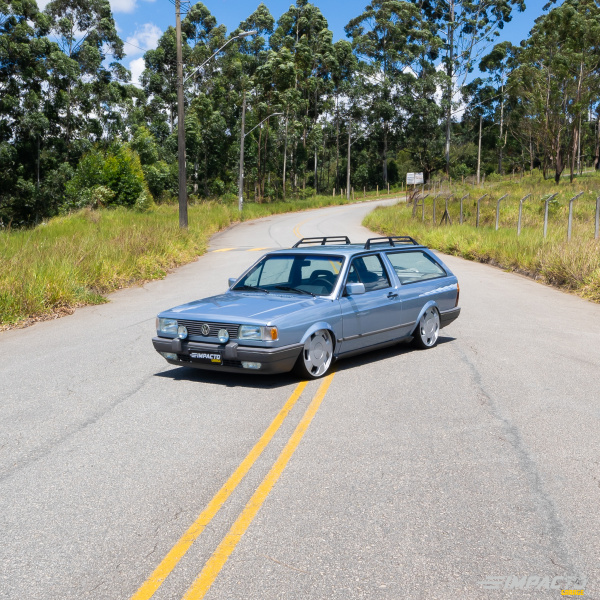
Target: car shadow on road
{"x":230,"y":380}
{"x":361,"y":360}
{"x":258,"y":381}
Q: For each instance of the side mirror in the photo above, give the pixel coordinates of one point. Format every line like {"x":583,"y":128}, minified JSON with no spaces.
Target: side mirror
{"x":231,"y":281}
{"x":352,"y":289}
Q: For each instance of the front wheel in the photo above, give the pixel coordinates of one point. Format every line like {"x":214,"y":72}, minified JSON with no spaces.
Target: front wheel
{"x":316,"y":356}
{"x":427,"y":331}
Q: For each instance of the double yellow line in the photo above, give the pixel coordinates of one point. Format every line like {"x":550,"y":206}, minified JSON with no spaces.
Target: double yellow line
{"x":218,"y":559}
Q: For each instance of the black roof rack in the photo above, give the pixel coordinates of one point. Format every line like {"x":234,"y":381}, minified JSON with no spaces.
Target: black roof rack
{"x":391,"y":241}
{"x":337,"y":239}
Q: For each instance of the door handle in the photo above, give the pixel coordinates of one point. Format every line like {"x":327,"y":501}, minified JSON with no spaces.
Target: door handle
{"x":392,"y":295}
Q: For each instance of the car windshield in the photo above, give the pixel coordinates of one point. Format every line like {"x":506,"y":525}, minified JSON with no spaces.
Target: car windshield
{"x":293,"y":273}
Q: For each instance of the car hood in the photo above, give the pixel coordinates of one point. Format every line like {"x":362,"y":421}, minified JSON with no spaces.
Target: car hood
{"x":242,"y":307}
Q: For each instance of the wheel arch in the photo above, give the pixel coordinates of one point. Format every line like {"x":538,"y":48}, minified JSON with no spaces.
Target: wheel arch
{"x":316,"y":327}
{"x":425,"y":307}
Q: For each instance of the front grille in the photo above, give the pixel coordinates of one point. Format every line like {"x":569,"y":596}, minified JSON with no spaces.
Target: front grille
{"x":194,"y":328}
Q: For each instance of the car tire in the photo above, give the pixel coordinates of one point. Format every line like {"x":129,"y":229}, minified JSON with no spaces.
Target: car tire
{"x":428,"y":329}
{"x":316,"y":356}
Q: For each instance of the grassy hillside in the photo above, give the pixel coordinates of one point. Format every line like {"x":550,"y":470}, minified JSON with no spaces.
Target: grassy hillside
{"x":75,"y":260}
{"x":573,"y":265}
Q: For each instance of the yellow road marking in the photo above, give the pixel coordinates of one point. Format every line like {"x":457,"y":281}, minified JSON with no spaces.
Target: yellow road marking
{"x":218,"y":559}
{"x":256,"y":249}
{"x":296,"y":229}
{"x":176,"y":553}
{"x":224,"y":250}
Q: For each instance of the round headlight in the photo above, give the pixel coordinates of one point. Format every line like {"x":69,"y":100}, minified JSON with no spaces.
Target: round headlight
{"x":223,"y":336}
{"x":182,"y":332}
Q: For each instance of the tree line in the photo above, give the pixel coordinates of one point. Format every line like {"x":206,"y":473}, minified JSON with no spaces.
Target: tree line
{"x":397,"y":95}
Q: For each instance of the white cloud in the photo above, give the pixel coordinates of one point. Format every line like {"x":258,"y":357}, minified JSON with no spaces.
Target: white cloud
{"x":136,"y":67}
{"x":145,"y":38}
{"x":124,"y":6}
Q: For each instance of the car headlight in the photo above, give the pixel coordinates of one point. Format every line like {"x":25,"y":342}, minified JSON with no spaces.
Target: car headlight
{"x":250,"y":332}
{"x":166,"y":326}
{"x":256,"y":332}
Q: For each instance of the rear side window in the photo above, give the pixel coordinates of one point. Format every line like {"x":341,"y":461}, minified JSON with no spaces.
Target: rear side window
{"x":415,"y":266}
{"x":370,"y":271}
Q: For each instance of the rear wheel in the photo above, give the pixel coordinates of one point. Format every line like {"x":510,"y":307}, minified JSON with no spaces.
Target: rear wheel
{"x":427,"y":331}
{"x":316,"y":356}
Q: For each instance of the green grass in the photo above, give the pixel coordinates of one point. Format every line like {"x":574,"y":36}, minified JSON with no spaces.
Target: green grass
{"x":574,"y":265}
{"x":77,"y":259}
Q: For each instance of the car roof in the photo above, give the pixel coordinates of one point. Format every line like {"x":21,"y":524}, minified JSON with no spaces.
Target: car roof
{"x":322,"y":246}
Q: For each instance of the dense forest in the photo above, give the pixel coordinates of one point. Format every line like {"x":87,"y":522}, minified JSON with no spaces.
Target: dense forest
{"x":416,"y":86}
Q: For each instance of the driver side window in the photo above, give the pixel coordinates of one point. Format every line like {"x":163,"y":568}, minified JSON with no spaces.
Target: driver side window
{"x":368,"y":270}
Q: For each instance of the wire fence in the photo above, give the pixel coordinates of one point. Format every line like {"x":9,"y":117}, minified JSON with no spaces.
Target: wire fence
{"x":579,"y":214}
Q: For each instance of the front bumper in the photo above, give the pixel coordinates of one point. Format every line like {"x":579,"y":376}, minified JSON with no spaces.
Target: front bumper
{"x":273,"y":360}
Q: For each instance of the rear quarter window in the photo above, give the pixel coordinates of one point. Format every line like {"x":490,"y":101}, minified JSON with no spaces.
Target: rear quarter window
{"x":415,"y":266}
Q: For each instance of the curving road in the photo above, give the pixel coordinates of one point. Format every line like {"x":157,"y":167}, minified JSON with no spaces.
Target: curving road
{"x":471,"y":470}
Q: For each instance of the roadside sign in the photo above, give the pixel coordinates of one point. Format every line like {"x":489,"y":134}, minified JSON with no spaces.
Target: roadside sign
{"x":414,"y":178}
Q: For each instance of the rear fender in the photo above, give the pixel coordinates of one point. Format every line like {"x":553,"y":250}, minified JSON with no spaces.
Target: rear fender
{"x":425,"y":307}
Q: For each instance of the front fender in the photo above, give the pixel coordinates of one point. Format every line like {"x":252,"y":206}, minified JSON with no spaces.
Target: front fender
{"x":315,"y":327}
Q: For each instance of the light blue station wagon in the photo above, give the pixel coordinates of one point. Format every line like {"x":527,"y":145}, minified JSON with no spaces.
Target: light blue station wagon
{"x":304,"y":307}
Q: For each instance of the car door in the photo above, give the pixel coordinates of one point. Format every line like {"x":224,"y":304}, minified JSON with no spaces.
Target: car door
{"x":421,"y":279}
{"x":373,"y":317}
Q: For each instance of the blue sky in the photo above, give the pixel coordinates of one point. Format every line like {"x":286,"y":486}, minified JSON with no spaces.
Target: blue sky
{"x":141,"y":22}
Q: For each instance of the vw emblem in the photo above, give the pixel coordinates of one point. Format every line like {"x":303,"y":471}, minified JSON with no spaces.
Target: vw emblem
{"x":205,"y":329}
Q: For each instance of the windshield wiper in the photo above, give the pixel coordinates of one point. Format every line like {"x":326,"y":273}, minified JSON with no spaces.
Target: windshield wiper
{"x":286,"y":288}
{"x":251,"y":287}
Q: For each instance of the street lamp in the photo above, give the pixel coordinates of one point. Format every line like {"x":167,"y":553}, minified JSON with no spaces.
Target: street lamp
{"x":183,"y":212}
{"x":242,"y":138}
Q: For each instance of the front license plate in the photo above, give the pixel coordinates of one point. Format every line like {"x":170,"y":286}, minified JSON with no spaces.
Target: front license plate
{"x":214,"y":358}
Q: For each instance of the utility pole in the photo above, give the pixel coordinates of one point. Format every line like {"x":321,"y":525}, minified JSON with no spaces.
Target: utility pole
{"x":242,"y":136}
{"x":183,"y":209}
{"x":348,"y":165}
{"x":479,"y":150}
{"x":450,"y":94}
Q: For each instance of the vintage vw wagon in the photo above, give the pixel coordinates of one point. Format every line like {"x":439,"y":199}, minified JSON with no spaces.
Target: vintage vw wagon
{"x":303,"y":308}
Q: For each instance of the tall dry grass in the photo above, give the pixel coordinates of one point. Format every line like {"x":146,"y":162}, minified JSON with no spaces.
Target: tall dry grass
{"x":573,"y":265}
{"x":77,"y":259}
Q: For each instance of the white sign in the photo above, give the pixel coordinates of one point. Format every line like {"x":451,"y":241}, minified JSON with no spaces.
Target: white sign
{"x":414,"y":178}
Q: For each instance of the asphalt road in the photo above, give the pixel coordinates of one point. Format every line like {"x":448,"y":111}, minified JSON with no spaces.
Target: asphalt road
{"x":407,"y":474}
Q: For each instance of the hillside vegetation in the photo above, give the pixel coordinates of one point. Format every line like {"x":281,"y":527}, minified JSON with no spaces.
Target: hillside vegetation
{"x":76,"y":259}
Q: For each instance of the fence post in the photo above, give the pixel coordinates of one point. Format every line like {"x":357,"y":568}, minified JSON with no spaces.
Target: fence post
{"x":569,"y":228}
{"x":597,"y":218}
{"x":434,"y":199}
{"x":546,"y":213}
{"x":478,"y":201}
{"x":461,"y":208}
{"x":521,"y":213}
{"x":498,"y":211}
{"x":378,"y":190}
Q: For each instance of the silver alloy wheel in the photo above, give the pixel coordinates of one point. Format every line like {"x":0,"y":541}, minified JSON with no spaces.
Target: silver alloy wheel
{"x":429,"y":328}
{"x":317,"y":353}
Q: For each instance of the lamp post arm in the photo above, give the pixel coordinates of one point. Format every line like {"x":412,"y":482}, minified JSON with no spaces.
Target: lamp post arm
{"x":235,"y":37}
{"x":266,"y":118}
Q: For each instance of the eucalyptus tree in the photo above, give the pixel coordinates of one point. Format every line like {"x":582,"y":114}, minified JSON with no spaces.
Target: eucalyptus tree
{"x":23,"y":123}
{"x":498,"y":63}
{"x":389,"y":37}
{"x":558,"y":77}
{"x":86,"y":34}
{"x":468,"y":28}
{"x":343,"y":67}
{"x":304,"y":31}
{"x":159,"y":81}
